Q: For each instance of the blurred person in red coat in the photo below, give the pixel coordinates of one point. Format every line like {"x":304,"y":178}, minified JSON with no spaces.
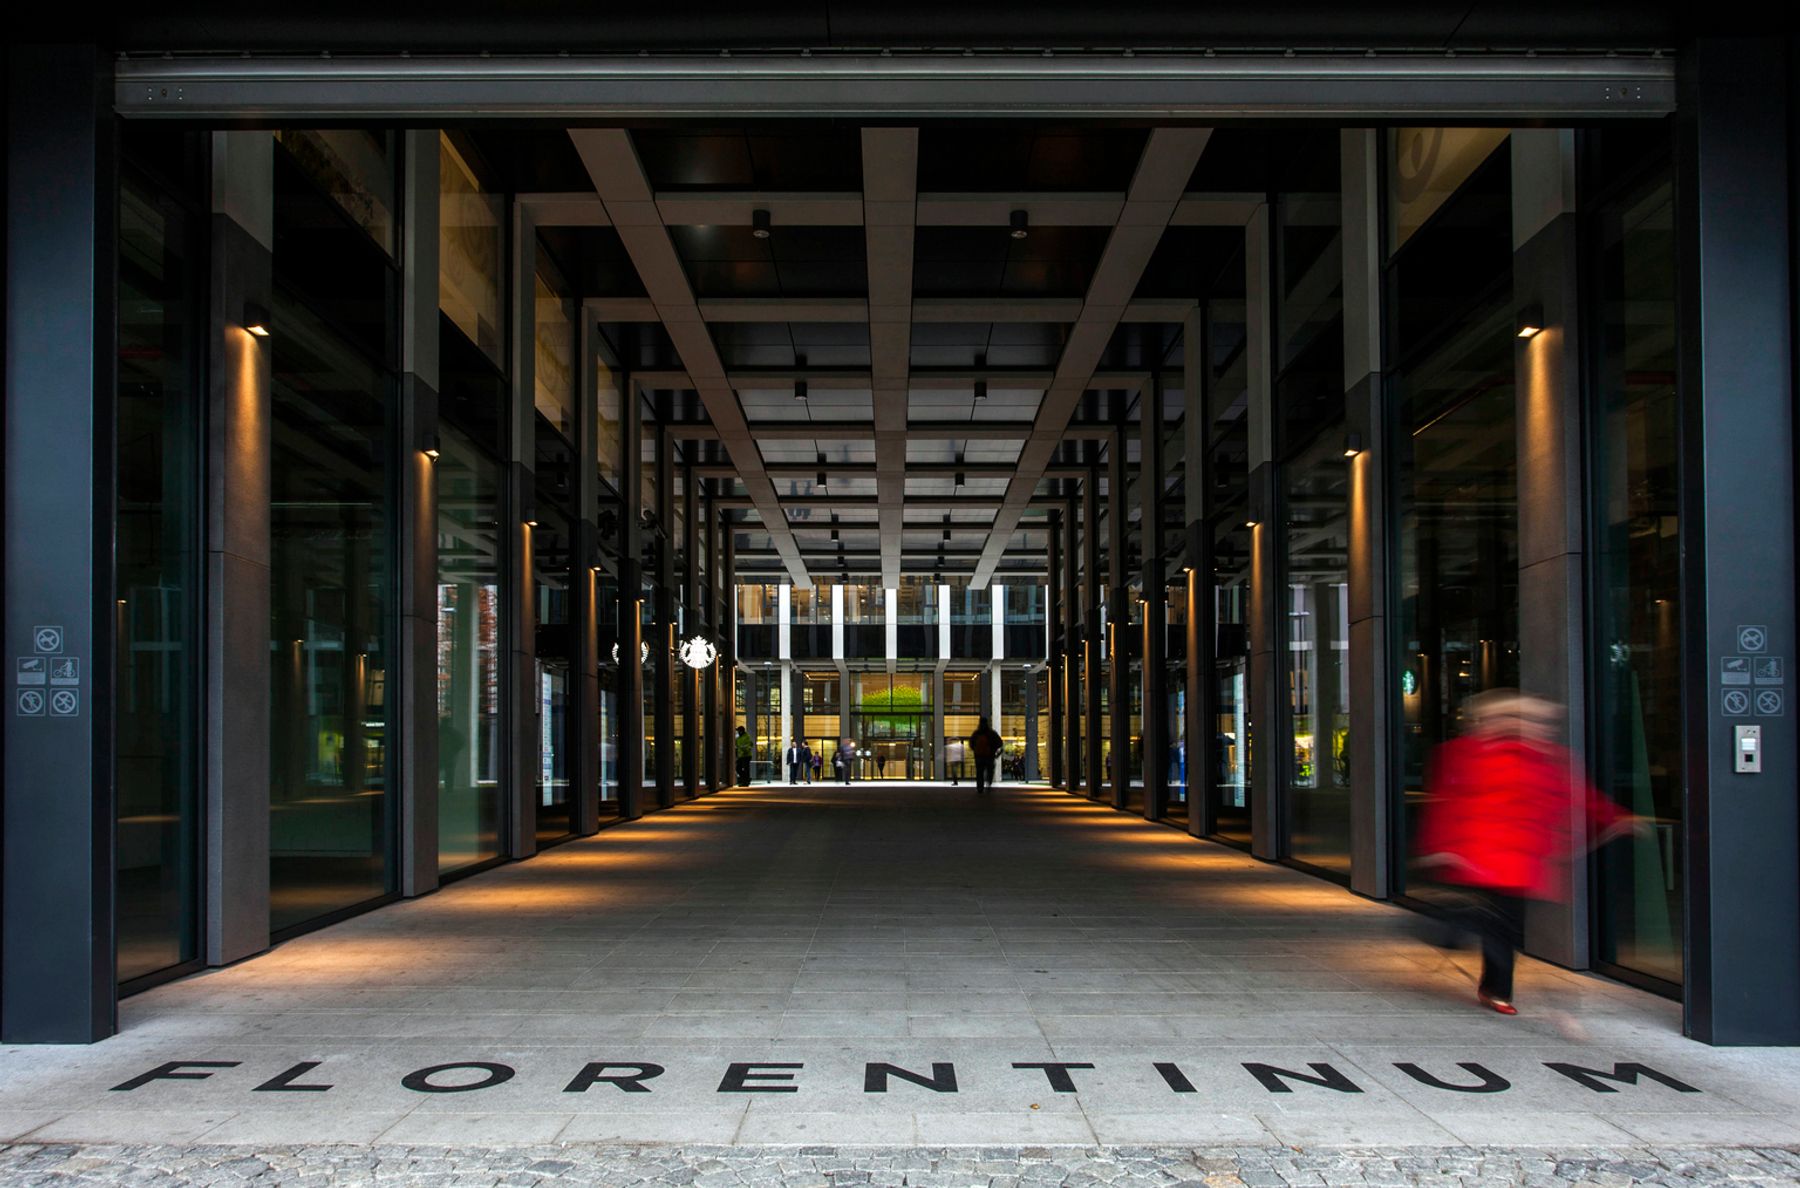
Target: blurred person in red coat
{"x":1499,"y":824}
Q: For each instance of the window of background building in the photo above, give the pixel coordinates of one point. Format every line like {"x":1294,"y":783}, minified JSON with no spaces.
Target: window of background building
{"x":865,"y":621}
{"x":157,"y":553}
{"x":606,"y":620}
{"x":892,"y":719}
{"x":915,"y":618}
{"x":809,"y":619}
{"x":971,"y":622}
{"x":963,"y":708}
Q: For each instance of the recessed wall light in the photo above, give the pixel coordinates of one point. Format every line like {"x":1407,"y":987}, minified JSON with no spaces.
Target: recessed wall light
{"x":1531,"y":321}
{"x":256,"y":319}
{"x":1021,"y":223}
{"x":759,"y":223}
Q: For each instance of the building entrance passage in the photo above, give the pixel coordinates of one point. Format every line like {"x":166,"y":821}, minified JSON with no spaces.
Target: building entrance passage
{"x":512,"y":447}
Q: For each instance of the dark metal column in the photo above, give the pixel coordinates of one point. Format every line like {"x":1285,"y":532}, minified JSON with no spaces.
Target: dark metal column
{"x":1271,"y":751}
{"x":1743,"y":831}
{"x":60,"y":408}
{"x":519,"y":585}
{"x":631,"y":583}
{"x":1154,"y":671}
{"x":1053,"y":604}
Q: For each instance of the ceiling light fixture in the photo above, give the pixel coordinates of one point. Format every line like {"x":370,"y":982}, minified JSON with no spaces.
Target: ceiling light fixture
{"x":759,"y":223}
{"x":981,"y":381}
{"x":959,"y":472}
{"x":1021,"y":223}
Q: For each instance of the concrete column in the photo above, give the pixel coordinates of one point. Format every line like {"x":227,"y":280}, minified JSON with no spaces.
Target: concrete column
{"x":416,"y":678}
{"x":1154,"y":670}
{"x":631,"y":579}
{"x":520,"y":587}
{"x":1074,"y":654}
{"x":1031,"y":729}
{"x":584,"y":594}
{"x":1095,"y":784}
{"x":939,"y":770}
{"x":1202,"y":744}
{"x":1057,"y":663}
{"x":238,"y":551}
{"x":1552,"y":510}
{"x":1118,"y":616}
{"x":1371,"y":658}
{"x":1735,"y":154}
{"x":694,"y":763}
{"x":662,"y":642}
{"x":58,"y":869}
{"x":1268,"y":622}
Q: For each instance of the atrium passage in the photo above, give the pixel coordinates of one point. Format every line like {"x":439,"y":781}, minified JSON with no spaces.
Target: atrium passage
{"x":479,"y":479}
{"x":817,"y":932}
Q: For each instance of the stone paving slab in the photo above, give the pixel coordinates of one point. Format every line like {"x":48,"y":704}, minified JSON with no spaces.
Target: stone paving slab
{"x":895,"y":1167}
{"x":892,"y":966}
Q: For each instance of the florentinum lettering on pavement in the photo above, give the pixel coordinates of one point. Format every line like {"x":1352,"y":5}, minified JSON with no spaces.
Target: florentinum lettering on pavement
{"x":635,"y":1076}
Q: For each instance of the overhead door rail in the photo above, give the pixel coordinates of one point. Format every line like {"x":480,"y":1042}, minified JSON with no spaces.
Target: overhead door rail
{"x":1363,"y":84}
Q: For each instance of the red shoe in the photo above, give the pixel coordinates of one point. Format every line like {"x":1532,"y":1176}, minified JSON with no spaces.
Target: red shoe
{"x":1497,"y":1005}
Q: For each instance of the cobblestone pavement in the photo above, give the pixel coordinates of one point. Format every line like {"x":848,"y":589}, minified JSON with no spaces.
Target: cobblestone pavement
{"x":915,"y":1167}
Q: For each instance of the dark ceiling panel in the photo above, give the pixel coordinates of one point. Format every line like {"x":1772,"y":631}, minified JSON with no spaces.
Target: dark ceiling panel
{"x":985,"y":157}
{"x":593,"y":259}
{"x":711,"y":160}
{"x":1190,"y":261}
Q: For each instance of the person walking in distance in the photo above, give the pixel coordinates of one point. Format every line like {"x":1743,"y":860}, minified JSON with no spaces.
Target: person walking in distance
{"x":745,"y":750}
{"x":984,"y":745}
{"x":806,"y":764}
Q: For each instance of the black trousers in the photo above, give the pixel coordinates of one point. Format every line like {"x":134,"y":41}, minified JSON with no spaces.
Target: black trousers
{"x":984,"y":774}
{"x":1498,"y":920}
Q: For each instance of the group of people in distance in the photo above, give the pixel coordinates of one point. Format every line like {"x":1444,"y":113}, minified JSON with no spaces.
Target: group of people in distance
{"x":805,"y":765}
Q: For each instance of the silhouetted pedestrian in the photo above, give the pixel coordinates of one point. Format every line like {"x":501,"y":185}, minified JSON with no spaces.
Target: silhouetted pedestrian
{"x":984,"y":745}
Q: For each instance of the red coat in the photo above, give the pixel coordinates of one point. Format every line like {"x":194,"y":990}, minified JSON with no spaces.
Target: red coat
{"x":1502,"y":814}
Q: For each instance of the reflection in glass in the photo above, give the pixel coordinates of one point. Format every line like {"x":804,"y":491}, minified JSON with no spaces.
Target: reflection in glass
{"x":550,"y":560}
{"x":1174,"y":706}
{"x":332,"y":604}
{"x":1637,"y":481}
{"x":1228,"y":782}
{"x":471,"y":253}
{"x":156,"y":552}
{"x":1457,"y":490}
{"x":470,"y":750}
{"x":1317,"y":654}
{"x":355,"y":167}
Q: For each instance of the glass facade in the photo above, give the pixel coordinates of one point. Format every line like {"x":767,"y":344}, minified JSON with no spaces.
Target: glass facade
{"x":854,"y":661}
{"x":1317,"y":655}
{"x":1456,"y":485}
{"x":331,"y":623}
{"x":158,"y":559}
{"x":1638,"y":661}
{"x":471,"y":721}
{"x":1229,"y":781}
